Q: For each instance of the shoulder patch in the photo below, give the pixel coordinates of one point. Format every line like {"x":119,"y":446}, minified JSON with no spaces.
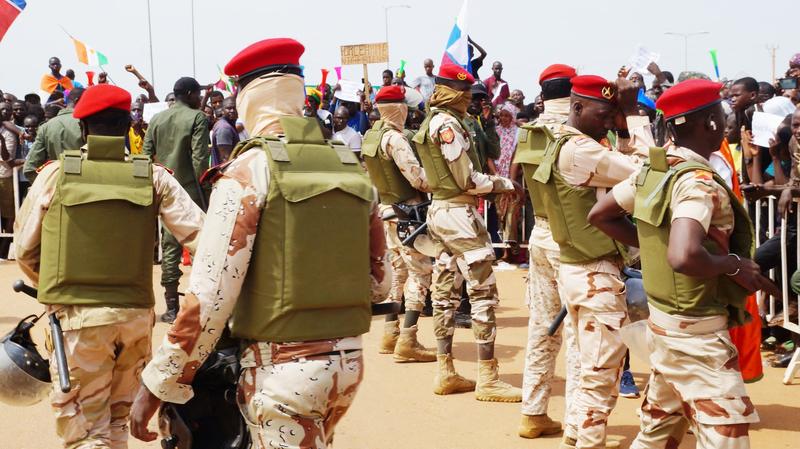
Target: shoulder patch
{"x":169,"y":170}
{"x":447,"y":135}
{"x":41,"y":167}
{"x":214,"y":173}
{"x":703,"y":175}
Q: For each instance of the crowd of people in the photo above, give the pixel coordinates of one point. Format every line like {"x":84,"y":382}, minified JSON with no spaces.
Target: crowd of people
{"x":562,"y":174}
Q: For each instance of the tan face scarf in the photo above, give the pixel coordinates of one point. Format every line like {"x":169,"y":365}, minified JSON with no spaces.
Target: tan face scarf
{"x":265,"y":100}
{"x":394,"y":114}
{"x":447,"y":97}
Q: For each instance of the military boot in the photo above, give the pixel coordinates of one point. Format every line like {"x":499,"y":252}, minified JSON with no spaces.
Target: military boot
{"x":409,"y":349}
{"x":173,"y":304}
{"x":490,"y":388}
{"x":533,"y":426}
{"x":569,"y":443}
{"x":391,"y":330}
{"x":447,"y":381}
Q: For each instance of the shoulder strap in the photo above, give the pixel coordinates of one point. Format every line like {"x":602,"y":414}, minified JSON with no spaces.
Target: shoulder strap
{"x":554,"y":144}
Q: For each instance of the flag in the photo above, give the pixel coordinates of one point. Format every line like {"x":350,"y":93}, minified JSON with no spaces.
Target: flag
{"x":89,"y":55}
{"x":457,"y":50}
{"x":9,"y":10}
{"x":225,"y":82}
{"x":714,"y":60}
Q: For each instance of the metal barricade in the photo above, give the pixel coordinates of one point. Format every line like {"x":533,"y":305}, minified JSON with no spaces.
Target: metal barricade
{"x":789,"y":298}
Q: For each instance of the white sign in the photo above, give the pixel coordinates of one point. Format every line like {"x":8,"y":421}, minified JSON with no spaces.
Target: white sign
{"x":348,"y":91}
{"x":151,"y":109}
{"x":764,"y":127}
{"x":641,"y":58}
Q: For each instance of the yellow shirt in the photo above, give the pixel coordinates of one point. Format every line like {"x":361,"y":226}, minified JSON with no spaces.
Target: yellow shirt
{"x":135,"y":142}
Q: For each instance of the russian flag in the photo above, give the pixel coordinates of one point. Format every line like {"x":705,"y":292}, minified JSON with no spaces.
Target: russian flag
{"x":9,"y":10}
{"x":457,"y":50}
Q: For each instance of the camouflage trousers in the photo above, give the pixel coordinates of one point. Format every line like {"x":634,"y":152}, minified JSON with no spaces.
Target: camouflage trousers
{"x":694,"y":382}
{"x":296,"y":403}
{"x":411,"y":270}
{"x":595,"y":296}
{"x":464,"y":245}
{"x":544,"y":304}
{"x":105,"y":363}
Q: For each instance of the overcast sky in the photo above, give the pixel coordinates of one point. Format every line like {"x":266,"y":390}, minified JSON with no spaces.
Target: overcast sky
{"x":595,"y":36}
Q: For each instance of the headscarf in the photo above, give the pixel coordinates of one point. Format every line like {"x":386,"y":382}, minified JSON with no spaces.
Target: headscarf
{"x":393,"y":114}
{"x":263,"y":101}
{"x":447,"y":97}
{"x":794,"y":61}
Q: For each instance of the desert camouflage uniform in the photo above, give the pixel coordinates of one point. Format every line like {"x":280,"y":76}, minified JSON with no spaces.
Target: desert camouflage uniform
{"x":106,"y":347}
{"x":284,"y":409}
{"x":544,"y":303}
{"x":594,"y":291}
{"x":459,"y":232}
{"x":411,"y":269}
{"x":695,"y":379}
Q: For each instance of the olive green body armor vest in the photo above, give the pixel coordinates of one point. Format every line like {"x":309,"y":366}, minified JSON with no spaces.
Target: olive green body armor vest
{"x":532,"y":143}
{"x":392,"y":186}
{"x":567,"y":208}
{"x":99,"y":232}
{"x":666,"y":289}
{"x":309,"y":275}
{"x":440,"y":179}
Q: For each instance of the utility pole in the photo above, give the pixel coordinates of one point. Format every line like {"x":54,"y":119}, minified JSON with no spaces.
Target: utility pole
{"x":150,"y":43}
{"x":773,"y":50}
{"x":686,"y":37}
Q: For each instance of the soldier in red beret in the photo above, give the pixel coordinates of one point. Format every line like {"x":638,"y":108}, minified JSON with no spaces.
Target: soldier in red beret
{"x":696,"y":245}
{"x":397,"y":174}
{"x":542,"y":293}
{"x":452,"y":167}
{"x":290,"y":257}
{"x":580,"y":165}
{"x":99,"y":284}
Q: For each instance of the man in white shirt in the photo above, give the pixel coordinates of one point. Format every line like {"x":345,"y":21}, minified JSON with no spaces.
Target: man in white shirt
{"x":424,"y":84}
{"x":344,"y":133}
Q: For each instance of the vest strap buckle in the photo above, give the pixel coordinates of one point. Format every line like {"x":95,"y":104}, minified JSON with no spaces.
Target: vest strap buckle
{"x":141,"y":166}
{"x":278,"y":151}
{"x":345,"y":154}
{"x":72,"y":164}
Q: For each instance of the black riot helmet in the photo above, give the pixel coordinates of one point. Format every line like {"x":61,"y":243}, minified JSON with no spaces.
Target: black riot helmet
{"x":24,"y":373}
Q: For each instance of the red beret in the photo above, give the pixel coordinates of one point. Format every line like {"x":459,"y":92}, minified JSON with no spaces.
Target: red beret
{"x":688,"y":96}
{"x":269,"y":52}
{"x":556,"y":71}
{"x":455,"y":72}
{"x":390,"y":94}
{"x":594,"y":87}
{"x":100,"y":97}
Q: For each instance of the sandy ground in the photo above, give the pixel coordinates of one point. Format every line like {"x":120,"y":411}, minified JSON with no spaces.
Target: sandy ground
{"x":395,"y":407}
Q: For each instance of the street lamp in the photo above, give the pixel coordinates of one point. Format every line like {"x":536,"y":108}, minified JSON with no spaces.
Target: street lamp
{"x":386,"y":22}
{"x":686,"y":37}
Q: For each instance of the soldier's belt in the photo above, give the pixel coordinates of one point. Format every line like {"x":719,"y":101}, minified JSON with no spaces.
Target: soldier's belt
{"x":265,"y":353}
{"x":467,"y":200}
{"x":691,"y":325}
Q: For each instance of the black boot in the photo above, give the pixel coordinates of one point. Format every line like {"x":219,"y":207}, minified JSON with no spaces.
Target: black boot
{"x":173,"y":304}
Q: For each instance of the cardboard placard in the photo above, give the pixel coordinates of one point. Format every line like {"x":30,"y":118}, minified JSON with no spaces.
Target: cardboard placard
{"x":365,"y":53}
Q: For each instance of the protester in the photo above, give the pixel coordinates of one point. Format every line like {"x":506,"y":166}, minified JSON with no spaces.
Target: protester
{"x":496,"y":86}
{"x":55,"y":81}
{"x":424,"y":83}
{"x":224,"y":136}
{"x":138,"y":128}
{"x":343,"y":132}
{"x":59,"y":133}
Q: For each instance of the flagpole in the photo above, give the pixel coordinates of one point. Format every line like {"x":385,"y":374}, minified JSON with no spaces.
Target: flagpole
{"x":150,"y":41}
{"x":194,"y":67}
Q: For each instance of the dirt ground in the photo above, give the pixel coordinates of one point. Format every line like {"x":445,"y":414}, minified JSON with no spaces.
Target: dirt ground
{"x":395,"y":407}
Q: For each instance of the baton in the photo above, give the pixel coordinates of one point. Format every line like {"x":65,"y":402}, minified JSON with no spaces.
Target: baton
{"x":414,"y":234}
{"x":557,"y":322}
{"x":57,"y":335}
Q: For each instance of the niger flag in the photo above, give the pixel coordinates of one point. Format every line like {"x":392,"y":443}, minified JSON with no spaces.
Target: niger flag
{"x":89,"y":55}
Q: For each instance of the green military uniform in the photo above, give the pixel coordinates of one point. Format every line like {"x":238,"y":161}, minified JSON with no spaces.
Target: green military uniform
{"x":178,"y":138}
{"x":60,"y":133}
{"x":487,"y":144}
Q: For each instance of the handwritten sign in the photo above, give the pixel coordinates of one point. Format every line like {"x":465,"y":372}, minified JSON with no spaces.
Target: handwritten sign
{"x":365,"y":53}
